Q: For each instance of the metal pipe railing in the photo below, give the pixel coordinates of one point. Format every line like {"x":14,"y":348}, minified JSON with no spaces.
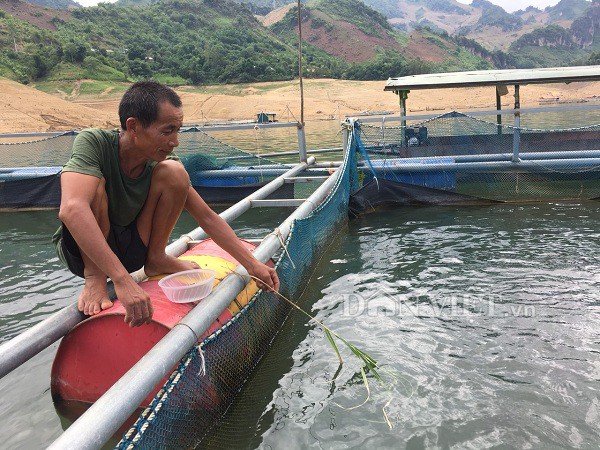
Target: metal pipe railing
{"x":532,"y":156}
{"x":32,"y":341}
{"x":188,"y":128}
{"x":105,"y":416}
{"x":545,"y":165}
{"x":39,"y":134}
{"x":180,"y":245}
{"x":428,"y":163}
{"x":236,"y":127}
{"x":249,"y":172}
{"x":274,"y":155}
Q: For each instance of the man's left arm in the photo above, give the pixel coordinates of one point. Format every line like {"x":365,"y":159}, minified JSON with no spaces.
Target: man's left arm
{"x":225,"y":237}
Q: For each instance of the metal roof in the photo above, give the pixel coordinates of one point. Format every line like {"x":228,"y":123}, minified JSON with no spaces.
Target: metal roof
{"x":494,"y":78}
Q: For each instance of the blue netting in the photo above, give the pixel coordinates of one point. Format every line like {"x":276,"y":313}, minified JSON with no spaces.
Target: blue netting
{"x":55,"y":150}
{"x":473,"y":157}
{"x":25,"y":165}
{"x":187,"y":409}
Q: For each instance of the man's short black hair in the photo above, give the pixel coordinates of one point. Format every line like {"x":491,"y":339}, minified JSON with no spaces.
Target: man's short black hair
{"x":142,"y":101}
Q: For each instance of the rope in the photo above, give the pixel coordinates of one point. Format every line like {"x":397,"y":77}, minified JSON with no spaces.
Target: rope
{"x":575,"y":170}
{"x":202,"y":370}
{"x":454,"y":114}
{"x":277,"y":233}
{"x":66,"y":133}
{"x":290,"y":112}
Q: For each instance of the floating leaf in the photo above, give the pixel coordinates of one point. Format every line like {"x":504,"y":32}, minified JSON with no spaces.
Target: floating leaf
{"x":332,"y":342}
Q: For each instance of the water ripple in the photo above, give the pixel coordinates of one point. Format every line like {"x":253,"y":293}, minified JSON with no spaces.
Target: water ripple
{"x":488,"y":317}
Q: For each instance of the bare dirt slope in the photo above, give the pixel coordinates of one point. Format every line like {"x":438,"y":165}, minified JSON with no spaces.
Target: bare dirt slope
{"x":36,"y":15}
{"x":276,"y":15}
{"x":24,"y":109}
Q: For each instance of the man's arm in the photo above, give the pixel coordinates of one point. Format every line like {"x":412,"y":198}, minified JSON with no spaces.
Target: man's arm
{"x":78,"y":194}
{"x":225,"y":237}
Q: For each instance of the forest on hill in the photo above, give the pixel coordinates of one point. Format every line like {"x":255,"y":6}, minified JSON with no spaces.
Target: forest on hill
{"x":210,"y":41}
{"x":226,"y":41}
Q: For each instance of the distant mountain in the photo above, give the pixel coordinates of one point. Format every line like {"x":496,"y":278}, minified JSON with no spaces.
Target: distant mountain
{"x":213,"y":41}
{"x":567,"y":10}
{"x":56,"y":4}
{"x":343,"y":28}
{"x":495,"y":16}
{"x":447,"y":15}
{"x":586,"y":28}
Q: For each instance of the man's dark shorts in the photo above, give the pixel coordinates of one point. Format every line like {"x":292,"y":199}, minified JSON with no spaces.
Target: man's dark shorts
{"x":125,"y":242}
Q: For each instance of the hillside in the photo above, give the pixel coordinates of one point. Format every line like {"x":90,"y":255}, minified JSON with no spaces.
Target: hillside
{"x":563,"y":34}
{"x":351,"y":31}
{"x":555,"y":45}
{"x":482,"y":21}
{"x":222,"y":41}
{"x":57,"y":4}
{"x":177,"y":41}
{"x":35,"y":15}
{"x":354,"y":36}
{"x":208,"y":41}
{"x":25,"y":109}
{"x":446,"y":15}
{"x":264,"y":7}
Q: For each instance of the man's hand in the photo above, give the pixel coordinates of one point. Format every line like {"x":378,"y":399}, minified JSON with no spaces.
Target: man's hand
{"x":268,"y":275}
{"x":225,"y":238}
{"x":136,"y":301}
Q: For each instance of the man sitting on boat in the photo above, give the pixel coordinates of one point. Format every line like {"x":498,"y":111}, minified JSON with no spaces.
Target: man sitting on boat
{"x":122,"y":193}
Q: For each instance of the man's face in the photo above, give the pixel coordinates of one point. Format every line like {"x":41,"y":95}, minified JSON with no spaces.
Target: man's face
{"x":159,"y":139}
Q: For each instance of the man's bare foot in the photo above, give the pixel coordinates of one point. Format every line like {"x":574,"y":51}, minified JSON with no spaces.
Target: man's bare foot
{"x":94,"y":297}
{"x":167,"y":264}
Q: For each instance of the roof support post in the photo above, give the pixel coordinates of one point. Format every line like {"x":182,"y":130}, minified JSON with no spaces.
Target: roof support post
{"x":499,"y":108}
{"x":347,"y":126}
{"x":517,"y":130}
{"x":403,"y":97}
{"x":302,"y":142}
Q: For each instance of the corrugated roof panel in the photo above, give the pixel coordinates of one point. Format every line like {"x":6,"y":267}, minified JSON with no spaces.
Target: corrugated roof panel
{"x":494,"y":77}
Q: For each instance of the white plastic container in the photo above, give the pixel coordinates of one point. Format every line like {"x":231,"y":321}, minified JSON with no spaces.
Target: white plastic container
{"x":188,"y":286}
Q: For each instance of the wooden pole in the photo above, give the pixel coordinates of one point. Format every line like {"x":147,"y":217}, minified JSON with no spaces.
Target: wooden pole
{"x":300,"y":65}
{"x":301,"y":135}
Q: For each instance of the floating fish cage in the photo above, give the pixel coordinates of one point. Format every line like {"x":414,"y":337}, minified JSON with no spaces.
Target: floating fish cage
{"x":183,"y":410}
{"x":464,"y":159}
{"x":30,"y":164}
{"x":205,"y":355}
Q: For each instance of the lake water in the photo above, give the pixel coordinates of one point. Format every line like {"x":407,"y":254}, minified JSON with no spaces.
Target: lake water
{"x":487,"y":317}
{"x":486,"y":321}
